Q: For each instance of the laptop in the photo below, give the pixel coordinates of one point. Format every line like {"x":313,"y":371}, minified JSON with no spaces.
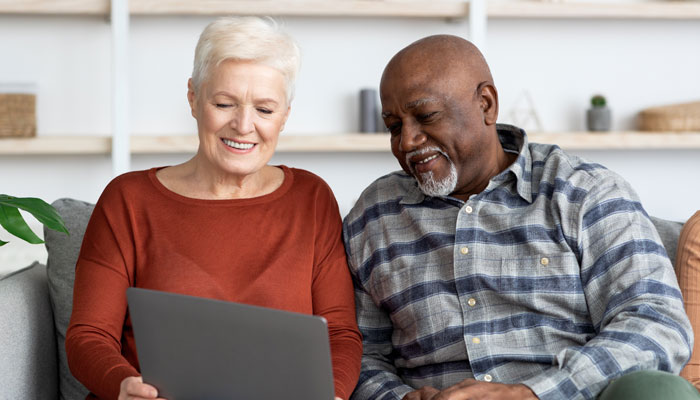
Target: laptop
{"x":197,"y":348}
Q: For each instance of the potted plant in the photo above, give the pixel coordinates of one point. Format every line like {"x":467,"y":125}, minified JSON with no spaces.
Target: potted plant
{"x":598,"y":116}
{"x":14,"y":223}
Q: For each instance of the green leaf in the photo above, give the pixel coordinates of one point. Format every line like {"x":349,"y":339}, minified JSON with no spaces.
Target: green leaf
{"x":2,"y":243}
{"x":40,"y":209}
{"x":12,"y":221}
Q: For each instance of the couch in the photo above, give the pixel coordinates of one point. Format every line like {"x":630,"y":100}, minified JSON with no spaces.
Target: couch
{"x":36,"y":302}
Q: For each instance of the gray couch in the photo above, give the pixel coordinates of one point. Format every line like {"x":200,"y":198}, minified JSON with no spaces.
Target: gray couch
{"x":35,"y":306}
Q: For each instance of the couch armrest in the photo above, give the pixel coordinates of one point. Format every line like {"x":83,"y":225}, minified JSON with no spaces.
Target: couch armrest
{"x":28,"y":365}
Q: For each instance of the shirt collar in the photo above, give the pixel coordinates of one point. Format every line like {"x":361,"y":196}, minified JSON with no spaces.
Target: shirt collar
{"x":513,"y":140}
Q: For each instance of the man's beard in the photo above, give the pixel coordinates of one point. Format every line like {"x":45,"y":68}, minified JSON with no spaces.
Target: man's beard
{"x":427,"y":182}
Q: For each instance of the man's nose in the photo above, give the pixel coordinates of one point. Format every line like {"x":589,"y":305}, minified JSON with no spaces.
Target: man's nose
{"x":242,"y":121}
{"x":412,"y":137}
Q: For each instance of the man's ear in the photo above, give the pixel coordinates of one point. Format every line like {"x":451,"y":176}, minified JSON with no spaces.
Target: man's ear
{"x":191,"y":97}
{"x":489,"y":102}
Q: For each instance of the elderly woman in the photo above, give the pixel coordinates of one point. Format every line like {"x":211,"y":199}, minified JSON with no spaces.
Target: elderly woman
{"x":224,"y":225}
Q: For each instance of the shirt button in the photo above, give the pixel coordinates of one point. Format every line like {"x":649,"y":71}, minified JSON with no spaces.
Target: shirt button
{"x":488,"y":378}
{"x":468,"y":209}
{"x":544,"y":261}
{"x":471,"y":302}
{"x":464,"y":250}
{"x":476,"y":340}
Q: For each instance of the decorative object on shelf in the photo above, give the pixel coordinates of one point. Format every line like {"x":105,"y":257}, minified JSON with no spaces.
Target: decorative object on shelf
{"x":12,"y":220}
{"x":17,"y":110}
{"x":523,"y":114}
{"x":684,"y":117}
{"x":369,"y":111}
{"x":598,"y":117}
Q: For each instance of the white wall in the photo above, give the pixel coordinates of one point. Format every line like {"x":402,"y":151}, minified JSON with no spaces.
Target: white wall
{"x":561,"y":63}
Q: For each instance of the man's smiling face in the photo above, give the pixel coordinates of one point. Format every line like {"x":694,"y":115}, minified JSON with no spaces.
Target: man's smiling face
{"x":434,"y":112}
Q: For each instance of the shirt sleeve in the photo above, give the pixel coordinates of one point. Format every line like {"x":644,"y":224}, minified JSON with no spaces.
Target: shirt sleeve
{"x":332,"y":296}
{"x":93,"y":338}
{"x":633,"y":298}
{"x":378,"y":378}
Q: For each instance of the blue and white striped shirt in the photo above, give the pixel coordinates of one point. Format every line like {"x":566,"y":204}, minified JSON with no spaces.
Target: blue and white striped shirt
{"x":553,"y":277}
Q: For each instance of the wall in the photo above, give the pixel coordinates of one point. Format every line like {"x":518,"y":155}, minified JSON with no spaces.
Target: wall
{"x":560,"y":63}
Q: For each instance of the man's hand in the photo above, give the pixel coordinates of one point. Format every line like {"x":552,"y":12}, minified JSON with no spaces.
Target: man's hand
{"x":133,"y":388}
{"x":471,"y":389}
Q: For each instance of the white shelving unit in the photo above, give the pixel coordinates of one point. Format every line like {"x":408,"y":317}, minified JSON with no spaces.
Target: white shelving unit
{"x":121,"y":145}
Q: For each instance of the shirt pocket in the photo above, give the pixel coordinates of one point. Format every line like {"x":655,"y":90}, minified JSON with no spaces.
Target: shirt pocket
{"x":542,"y":302}
{"x":544,"y":283}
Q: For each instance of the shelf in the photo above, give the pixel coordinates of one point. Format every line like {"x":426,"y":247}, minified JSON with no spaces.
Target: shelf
{"x":310,"y":8}
{"x":351,"y":142}
{"x":617,"y":10}
{"x":366,"y":8}
{"x":76,"y":7}
{"x":321,"y":8}
{"x":628,"y":140}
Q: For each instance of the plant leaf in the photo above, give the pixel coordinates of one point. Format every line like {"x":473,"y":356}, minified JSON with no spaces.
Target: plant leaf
{"x":12,"y":221}
{"x":40,"y":209}
{"x":2,"y":243}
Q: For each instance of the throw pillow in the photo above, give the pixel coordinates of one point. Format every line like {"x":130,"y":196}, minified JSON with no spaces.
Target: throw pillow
{"x":60,"y":269}
{"x":689,"y":281}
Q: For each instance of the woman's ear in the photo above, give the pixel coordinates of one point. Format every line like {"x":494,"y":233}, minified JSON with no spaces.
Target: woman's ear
{"x":284,"y":121}
{"x":489,"y":102}
{"x":192,"y":98}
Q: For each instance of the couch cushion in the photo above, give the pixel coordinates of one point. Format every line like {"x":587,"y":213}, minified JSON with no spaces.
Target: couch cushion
{"x":60,"y":265}
{"x":27,"y":341}
{"x":669,"y":232}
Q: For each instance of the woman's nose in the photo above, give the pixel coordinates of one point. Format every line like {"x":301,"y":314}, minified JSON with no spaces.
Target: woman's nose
{"x":242,"y":121}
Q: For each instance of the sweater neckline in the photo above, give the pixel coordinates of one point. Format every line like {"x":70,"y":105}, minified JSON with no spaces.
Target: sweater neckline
{"x":266,"y":198}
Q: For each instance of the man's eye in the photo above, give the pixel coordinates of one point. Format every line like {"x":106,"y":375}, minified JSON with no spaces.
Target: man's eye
{"x":223,"y":105}
{"x":427,"y":117}
{"x":394,"y":129}
{"x":264,"y":111}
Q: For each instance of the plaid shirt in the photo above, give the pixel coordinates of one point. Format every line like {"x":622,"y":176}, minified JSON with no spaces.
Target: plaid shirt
{"x":553,"y":277}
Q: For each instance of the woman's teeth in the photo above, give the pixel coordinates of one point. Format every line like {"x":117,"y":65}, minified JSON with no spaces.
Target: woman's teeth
{"x":239,"y":146}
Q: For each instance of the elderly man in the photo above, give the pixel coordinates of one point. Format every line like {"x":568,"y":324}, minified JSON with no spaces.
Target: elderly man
{"x":495,"y":268}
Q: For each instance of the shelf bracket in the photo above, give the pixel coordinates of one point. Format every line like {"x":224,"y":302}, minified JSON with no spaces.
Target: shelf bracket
{"x":477,"y":24}
{"x":121,"y":155}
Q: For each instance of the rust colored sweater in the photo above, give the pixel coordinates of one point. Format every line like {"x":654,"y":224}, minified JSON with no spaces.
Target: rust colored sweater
{"x":282,"y":250}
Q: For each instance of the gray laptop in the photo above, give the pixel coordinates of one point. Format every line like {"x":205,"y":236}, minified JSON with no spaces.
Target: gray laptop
{"x":197,"y":348}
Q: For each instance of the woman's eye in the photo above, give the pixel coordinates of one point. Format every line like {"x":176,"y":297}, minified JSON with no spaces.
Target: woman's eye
{"x":265,"y":111}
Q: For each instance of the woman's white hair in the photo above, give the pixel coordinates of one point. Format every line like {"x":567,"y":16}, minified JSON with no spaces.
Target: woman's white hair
{"x":246,"y":39}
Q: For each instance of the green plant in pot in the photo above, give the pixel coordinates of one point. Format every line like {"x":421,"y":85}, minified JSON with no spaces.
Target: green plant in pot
{"x":14,"y":223}
{"x":598,"y":117}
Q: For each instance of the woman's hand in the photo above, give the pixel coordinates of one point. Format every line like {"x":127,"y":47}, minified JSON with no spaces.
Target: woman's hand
{"x":133,"y":388}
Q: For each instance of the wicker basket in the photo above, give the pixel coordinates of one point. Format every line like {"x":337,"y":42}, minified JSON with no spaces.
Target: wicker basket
{"x":673,"y":118}
{"x":17,"y":115}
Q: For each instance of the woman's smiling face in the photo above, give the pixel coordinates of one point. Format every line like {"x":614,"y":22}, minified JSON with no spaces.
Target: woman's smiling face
{"x":240,"y":111}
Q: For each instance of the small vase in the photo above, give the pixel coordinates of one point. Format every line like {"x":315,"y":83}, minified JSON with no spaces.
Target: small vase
{"x":598,"y":119}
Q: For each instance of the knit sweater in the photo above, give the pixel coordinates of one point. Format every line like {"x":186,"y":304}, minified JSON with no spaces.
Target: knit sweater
{"x":282,"y":250}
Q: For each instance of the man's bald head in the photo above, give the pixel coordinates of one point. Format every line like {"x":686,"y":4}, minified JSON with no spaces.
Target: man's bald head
{"x":441,"y":56}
